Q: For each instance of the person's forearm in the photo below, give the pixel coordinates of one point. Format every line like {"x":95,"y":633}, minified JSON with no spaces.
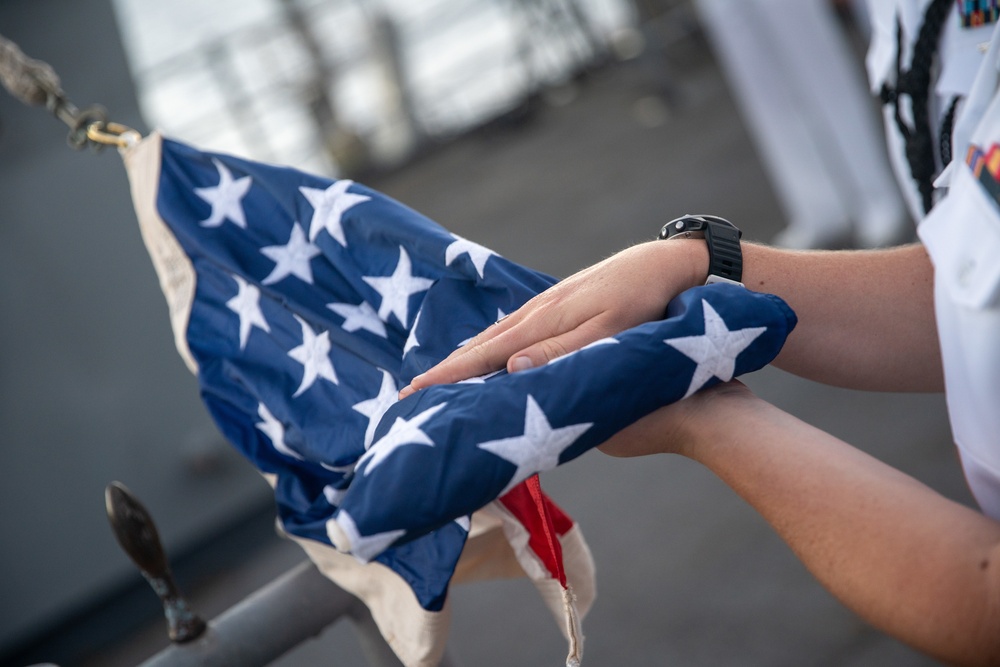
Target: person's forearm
{"x":866,"y":318}
{"x":912,"y":563}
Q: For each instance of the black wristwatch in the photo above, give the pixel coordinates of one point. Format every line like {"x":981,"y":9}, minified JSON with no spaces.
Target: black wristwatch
{"x":725,"y":257}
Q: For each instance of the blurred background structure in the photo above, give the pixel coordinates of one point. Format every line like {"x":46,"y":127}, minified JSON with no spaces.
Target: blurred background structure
{"x":554,"y":132}
{"x":342,"y":86}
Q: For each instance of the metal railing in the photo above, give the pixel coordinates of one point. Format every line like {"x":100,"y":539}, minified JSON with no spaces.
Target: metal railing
{"x":278,"y":617}
{"x":265,"y":625}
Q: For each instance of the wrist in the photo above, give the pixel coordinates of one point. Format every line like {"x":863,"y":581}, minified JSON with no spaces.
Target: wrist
{"x":688,"y":427}
{"x":683,"y":264}
{"x":717,"y":417}
{"x":721,"y":237}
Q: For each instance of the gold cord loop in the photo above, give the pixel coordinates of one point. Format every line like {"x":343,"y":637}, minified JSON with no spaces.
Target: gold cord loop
{"x":112,"y":134}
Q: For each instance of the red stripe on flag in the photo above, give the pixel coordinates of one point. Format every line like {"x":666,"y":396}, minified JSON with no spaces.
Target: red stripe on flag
{"x":544,"y":520}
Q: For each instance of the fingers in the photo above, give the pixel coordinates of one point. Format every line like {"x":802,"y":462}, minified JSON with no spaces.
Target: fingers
{"x":544,"y":351}
{"x":491,"y":351}
{"x":485,"y":353}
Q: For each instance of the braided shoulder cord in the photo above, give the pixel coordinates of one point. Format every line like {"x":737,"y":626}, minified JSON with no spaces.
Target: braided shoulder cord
{"x":915,"y":83}
{"x":947,"y":126}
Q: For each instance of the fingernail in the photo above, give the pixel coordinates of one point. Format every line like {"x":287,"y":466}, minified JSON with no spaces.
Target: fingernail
{"x":406,"y":391}
{"x":521,"y":364}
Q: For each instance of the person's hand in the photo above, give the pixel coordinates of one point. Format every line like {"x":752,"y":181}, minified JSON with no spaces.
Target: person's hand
{"x":623,"y":291}
{"x":675,"y":428}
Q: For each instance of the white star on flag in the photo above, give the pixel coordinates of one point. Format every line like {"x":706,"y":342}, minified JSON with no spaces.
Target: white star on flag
{"x":411,"y":340}
{"x":344,"y":535}
{"x":397,"y":289}
{"x":291,"y":259}
{"x":716,"y":350}
{"x":477,"y":253}
{"x":480,"y":379}
{"x":333,"y":495}
{"x":374,"y":408}
{"x":225,"y":198}
{"x":538,"y":448}
{"x":329,"y":207}
{"x":359,"y":317}
{"x":596,"y":343}
{"x":275,"y":431}
{"x":246,"y":304}
{"x":314,"y":355}
{"x":402,"y":432}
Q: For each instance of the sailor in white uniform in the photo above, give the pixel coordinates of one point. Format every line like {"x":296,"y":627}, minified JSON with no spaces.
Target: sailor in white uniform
{"x":919,"y":317}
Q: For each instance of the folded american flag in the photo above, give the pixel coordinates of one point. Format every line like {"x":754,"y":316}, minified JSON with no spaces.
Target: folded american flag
{"x":304,"y":303}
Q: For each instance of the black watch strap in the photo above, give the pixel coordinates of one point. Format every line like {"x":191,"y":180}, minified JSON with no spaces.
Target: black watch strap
{"x":725,"y":256}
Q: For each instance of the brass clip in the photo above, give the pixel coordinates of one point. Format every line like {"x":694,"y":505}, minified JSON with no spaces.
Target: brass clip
{"x":112,"y":134}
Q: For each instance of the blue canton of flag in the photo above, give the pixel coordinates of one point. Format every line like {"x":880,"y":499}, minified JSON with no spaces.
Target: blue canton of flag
{"x":304,"y":303}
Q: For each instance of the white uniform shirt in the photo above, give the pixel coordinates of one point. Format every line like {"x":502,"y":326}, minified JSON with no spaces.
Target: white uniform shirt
{"x":962,"y":232}
{"x":962,"y":235}
{"x":959,"y":56}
